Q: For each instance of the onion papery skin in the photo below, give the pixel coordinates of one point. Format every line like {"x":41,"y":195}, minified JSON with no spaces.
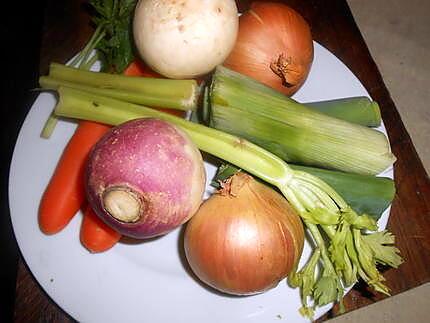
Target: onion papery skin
{"x":273,"y":38}
{"x":156,"y":166}
{"x":244,"y":241}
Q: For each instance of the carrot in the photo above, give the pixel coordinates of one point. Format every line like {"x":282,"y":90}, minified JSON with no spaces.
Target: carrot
{"x":139,"y":68}
{"x":95,"y":235}
{"x":65,"y":192}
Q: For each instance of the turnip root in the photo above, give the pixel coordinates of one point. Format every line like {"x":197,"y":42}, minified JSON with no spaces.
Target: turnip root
{"x":185,"y":38}
{"x":145,"y":177}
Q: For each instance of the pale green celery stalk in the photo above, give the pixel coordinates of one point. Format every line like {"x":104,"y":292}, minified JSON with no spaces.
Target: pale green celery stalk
{"x":232,"y":90}
{"x":359,"y":109}
{"x":144,"y":98}
{"x":184,"y":91}
{"x":306,"y":193}
{"x":49,"y":126}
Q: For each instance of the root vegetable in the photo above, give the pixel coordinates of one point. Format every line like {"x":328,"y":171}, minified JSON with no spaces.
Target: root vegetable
{"x":95,"y":235}
{"x":144,"y":178}
{"x":245,"y":239}
{"x":274,"y":46}
{"x":184,"y":39}
{"x":65,"y":192}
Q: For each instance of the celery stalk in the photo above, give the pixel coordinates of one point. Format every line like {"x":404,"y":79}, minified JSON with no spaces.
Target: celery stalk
{"x":313,"y":199}
{"x":365,"y":194}
{"x":244,"y":107}
{"x":183,"y":92}
{"x":360,"y":110}
{"x":145,"y":98}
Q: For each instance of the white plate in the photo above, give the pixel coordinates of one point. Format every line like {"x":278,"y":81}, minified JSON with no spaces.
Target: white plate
{"x":149,"y":281}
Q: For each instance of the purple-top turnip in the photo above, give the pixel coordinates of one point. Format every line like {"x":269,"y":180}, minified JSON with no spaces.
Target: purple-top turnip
{"x":145,"y":177}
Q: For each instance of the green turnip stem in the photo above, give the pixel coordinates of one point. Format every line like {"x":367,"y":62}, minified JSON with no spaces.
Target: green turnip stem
{"x":293,"y":131}
{"x":162,"y":101}
{"x":360,"y":110}
{"x":184,"y":93}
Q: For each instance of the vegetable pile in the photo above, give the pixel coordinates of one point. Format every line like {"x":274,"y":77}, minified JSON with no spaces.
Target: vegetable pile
{"x":145,"y":176}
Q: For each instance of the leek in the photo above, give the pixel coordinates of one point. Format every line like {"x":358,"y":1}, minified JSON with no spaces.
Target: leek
{"x":360,"y":110}
{"x":244,"y":107}
{"x":320,"y":207}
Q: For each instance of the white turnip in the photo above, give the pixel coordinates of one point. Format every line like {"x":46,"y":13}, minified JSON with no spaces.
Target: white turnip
{"x":145,"y":177}
{"x":185,"y":38}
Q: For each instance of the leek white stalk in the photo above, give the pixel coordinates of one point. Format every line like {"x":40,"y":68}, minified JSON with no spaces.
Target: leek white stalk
{"x":293,"y":131}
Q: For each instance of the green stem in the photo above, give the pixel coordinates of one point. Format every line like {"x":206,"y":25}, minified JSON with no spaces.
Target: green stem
{"x":49,"y":126}
{"x":319,"y":240}
{"x":321,"y":185}
{"x":360,"y":110}
{"x":88,"y":47}
{"x":88,"y":51}
{"x":143,"y":98}
{"x":183,"y":91}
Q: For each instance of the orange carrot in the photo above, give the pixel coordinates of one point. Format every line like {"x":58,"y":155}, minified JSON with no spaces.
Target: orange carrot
{"x":65,"y":192}
{"x":139,"y":68}
{"x":95,"y":235}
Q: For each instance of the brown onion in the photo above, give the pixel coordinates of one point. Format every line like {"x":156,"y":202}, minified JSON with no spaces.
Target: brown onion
{"x":245,"y":239}
{"x":274,"y":46}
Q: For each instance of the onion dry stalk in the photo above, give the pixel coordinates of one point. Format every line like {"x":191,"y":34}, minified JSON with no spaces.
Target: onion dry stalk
{"x":350,"y":252}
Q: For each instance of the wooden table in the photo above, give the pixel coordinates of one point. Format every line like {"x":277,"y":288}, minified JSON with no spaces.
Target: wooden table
{"x":66,"y":29}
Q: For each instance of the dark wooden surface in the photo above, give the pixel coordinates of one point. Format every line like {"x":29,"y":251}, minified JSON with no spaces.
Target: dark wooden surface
{"x":66,"y":29}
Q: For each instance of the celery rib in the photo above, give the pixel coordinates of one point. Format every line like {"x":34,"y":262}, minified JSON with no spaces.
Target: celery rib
{"x":185,"y":92}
